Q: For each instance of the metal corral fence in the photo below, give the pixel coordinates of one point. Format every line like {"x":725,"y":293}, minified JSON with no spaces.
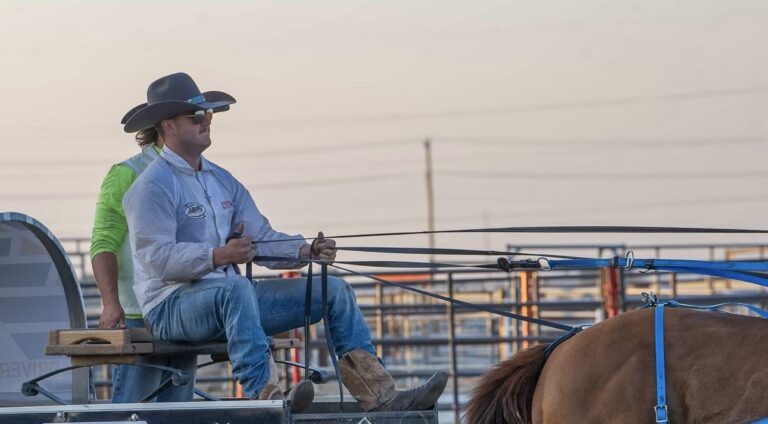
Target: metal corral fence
{"x":417,"y":335}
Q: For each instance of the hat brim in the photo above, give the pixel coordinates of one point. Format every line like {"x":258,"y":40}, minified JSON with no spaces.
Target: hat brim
{"x":146,"y":116}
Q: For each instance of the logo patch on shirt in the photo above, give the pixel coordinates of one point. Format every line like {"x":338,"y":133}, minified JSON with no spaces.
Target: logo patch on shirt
{"x":194,"y":210}
{"x":227,"y":204}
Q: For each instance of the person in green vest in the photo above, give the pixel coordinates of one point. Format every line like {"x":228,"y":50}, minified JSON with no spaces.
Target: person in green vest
{"x":112,"y":265}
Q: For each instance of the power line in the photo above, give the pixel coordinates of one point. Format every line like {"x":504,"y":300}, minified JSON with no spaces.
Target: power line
{"x":294,"y":122}
{"x":548,"y":210}
{"x":626,"y":143}
{"x":604,"y":175}
{"x":640,"y":143}
{"x":315,"y":182}
{"x":280,"y":123}
{"x":659,"y":204}
{"x":353,"y":179}
{"x":321,"y":149}
{"x":50,"y":196}
{"x":295,"y":151}
{"x":618,"y":206}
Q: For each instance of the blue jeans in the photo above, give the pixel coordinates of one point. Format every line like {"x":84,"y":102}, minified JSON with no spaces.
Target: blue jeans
{"x":243,"y":314}
{"x":132,"y":383}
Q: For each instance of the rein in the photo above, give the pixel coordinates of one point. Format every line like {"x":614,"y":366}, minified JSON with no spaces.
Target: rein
{"x":563,"y":229}
{"x":460,"y":302}
{"x":750,"y":271}
{"x":745,"y":271}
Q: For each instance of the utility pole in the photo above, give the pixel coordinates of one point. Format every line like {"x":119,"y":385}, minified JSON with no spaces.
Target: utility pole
{"x":430,"y":197}
{"x":434,"y":327}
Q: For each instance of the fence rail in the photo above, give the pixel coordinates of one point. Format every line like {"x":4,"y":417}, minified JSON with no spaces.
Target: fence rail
{"x":417,"y":335}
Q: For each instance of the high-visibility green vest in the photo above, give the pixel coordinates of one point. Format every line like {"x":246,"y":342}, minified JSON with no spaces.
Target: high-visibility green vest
{"x":137,"y":164}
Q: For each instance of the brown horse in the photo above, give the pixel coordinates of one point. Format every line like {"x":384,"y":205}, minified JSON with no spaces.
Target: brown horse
{"x":716,"y":365}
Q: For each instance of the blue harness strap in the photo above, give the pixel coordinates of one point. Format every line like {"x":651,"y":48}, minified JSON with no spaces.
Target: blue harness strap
{"x":720,"y":307}
{"x":661,"y":379}
{"x":755,"y":272}
{"x":660,"y":409}
{"x":630,"y":262}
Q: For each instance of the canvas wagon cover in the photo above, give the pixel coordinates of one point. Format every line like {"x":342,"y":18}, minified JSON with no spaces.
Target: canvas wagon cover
{"x":38,"y":293}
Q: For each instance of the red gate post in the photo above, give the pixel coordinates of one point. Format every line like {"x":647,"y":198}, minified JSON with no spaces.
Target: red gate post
{"x":610,"y":290}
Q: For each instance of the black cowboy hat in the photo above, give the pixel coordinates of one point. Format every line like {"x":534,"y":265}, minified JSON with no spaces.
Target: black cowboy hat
{"x":173,"y":95}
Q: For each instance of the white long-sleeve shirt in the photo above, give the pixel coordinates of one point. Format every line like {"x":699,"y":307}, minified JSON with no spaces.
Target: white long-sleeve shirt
{"x":177,"y":216}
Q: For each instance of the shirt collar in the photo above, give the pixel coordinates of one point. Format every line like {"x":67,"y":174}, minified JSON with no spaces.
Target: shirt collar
{"x":152,"y":149}
{"x":174,"y":159}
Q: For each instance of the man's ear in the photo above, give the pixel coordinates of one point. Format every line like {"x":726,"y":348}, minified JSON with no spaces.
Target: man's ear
{"x":168,"y":126}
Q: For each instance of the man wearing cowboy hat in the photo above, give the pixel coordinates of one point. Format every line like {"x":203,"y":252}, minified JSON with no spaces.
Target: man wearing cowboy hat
{"x":112,"y":266}
{"x":182,"y":212}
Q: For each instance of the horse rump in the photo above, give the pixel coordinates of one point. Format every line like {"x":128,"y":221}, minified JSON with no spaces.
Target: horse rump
{"x":505,"y":394}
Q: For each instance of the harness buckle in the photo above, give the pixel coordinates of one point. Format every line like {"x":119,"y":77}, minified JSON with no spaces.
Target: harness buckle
{"x":544,"y":264}
{"x":661,"y":413}
{"x":504,"y":264}
{"x":649,"y":299}
{"x":630,"y":256}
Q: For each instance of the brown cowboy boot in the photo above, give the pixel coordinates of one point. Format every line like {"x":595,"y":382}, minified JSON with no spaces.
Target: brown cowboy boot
{"x":299,"y":397}
{"x":374,"y":389}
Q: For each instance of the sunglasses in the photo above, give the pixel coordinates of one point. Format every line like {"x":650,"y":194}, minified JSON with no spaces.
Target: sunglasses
{"x":201,"y":116}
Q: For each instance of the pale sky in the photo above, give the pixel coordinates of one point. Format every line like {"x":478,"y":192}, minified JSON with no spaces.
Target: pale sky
{"x":528,"y":104}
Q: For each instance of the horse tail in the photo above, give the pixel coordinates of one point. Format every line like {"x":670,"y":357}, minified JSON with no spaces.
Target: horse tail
{"x":505,"y":394}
